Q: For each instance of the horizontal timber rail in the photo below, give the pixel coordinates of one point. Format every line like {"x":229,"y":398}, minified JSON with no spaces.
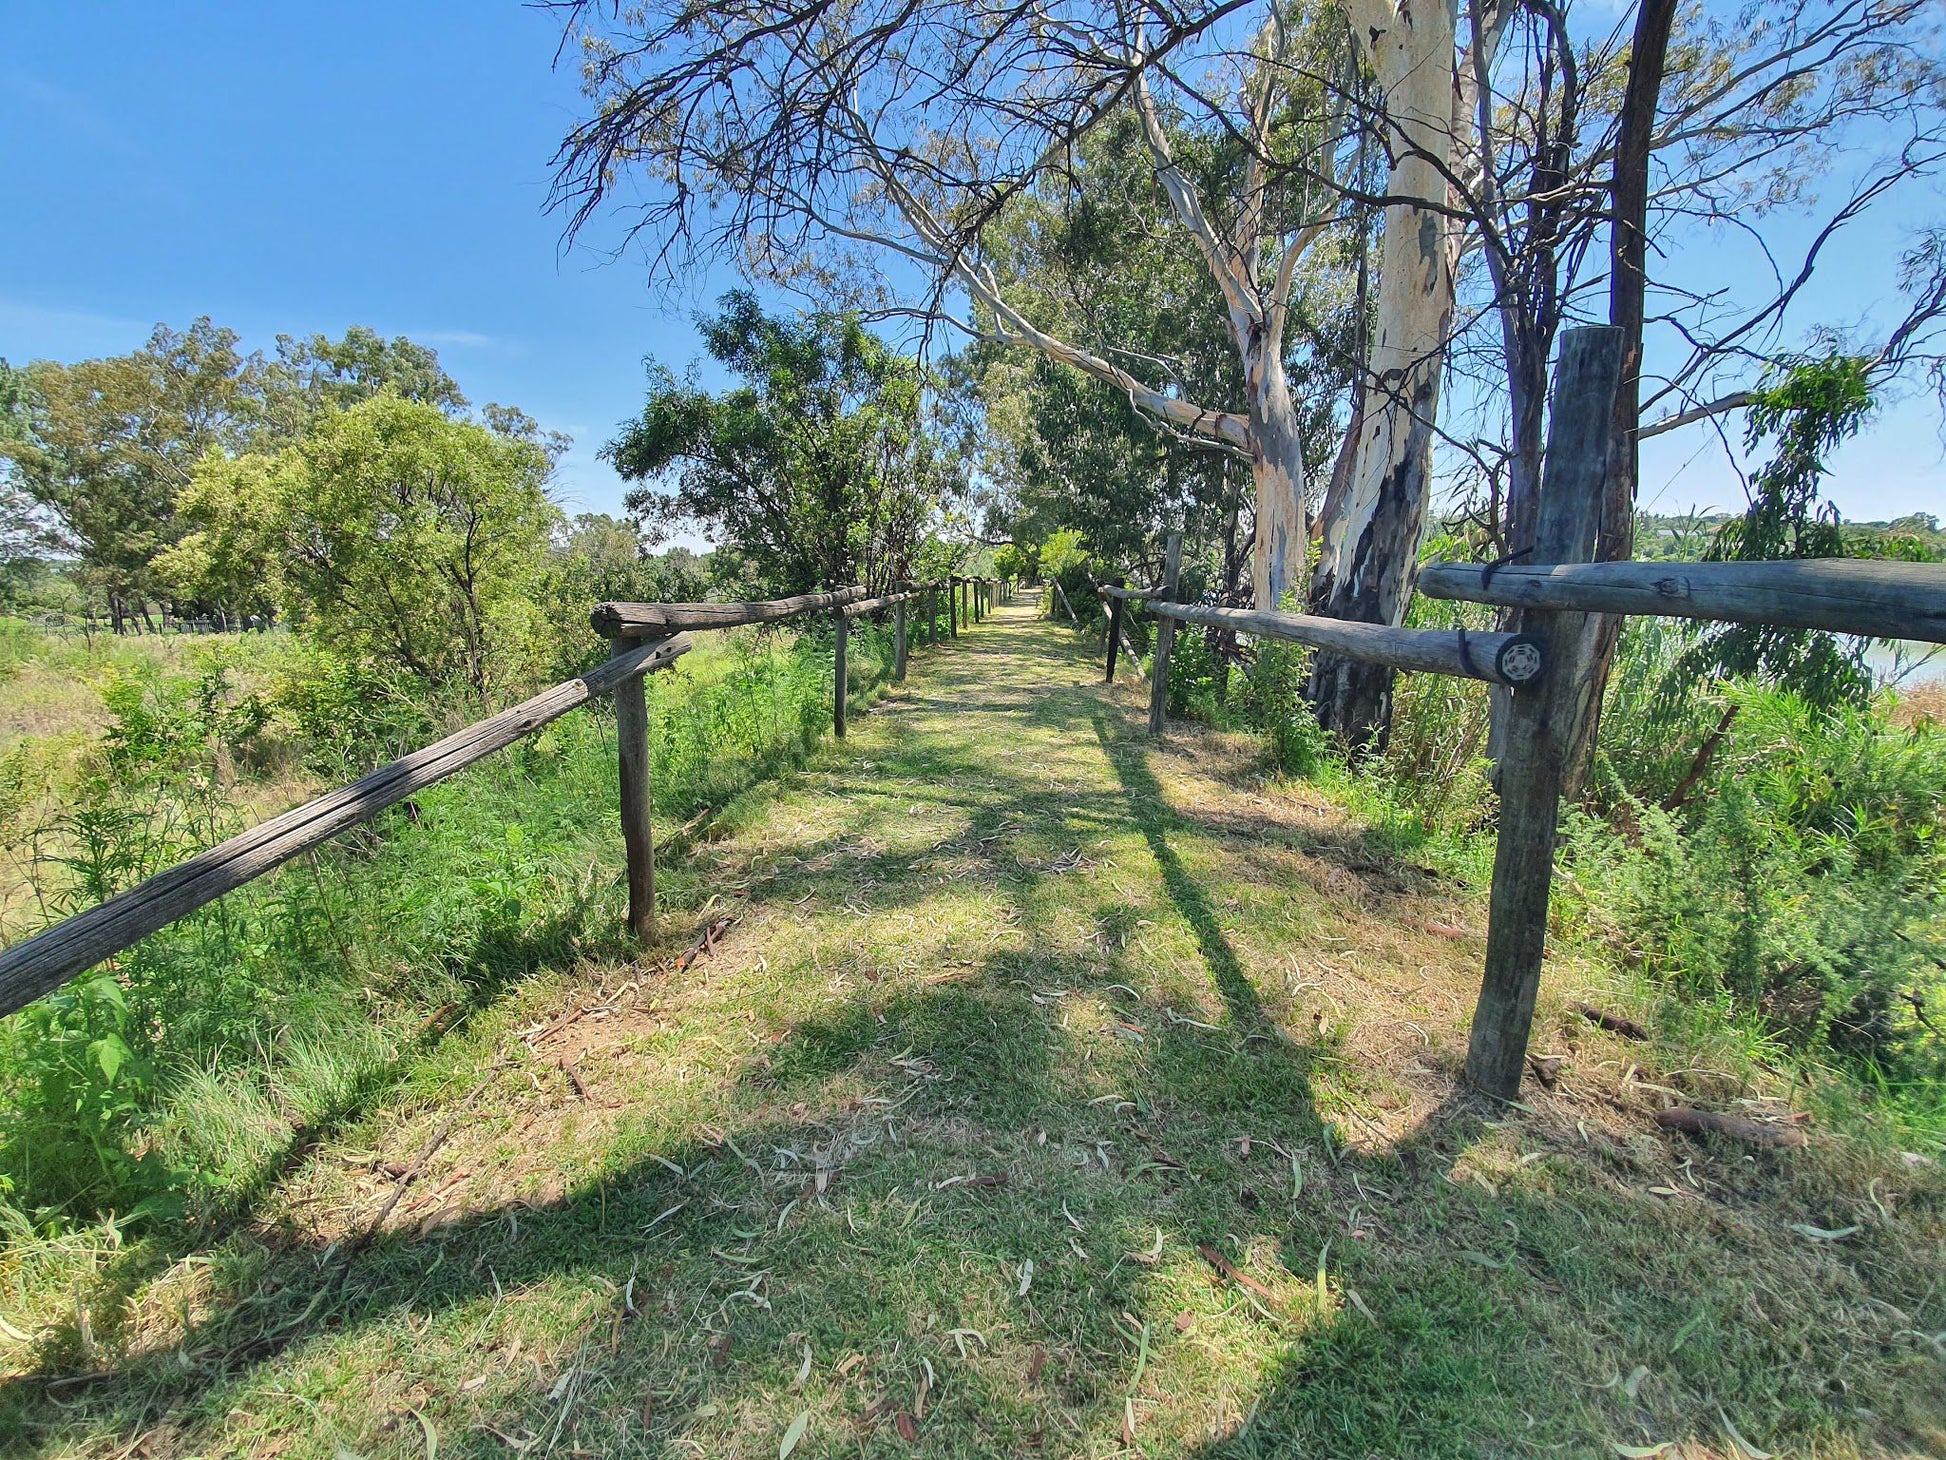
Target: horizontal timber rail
{"x":634,"y":620}
{"x":1883,"y":600}
{"x":1508,"y":659}
{"x":1550,"y":661}
{"x":48,"y":959}
{"x":645,"y":637}
{"x":873,"y":605}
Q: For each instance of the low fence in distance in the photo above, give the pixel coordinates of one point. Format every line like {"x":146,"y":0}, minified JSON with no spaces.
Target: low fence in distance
{"x":644,"y":637}
{"x":1543,"y":661}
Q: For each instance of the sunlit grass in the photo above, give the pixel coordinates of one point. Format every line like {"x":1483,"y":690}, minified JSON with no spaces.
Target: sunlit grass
{"x":1006,"y":984}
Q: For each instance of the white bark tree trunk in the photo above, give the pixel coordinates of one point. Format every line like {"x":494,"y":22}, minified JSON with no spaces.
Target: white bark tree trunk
{"x":1277,"y":475}
{"x":1370,"y":551}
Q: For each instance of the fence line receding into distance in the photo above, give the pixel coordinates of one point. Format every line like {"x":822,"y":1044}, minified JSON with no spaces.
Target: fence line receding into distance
{"x":644,"y":638}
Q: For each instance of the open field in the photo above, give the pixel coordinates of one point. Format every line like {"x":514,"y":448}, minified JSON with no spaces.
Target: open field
{"x":1046,"y":1092}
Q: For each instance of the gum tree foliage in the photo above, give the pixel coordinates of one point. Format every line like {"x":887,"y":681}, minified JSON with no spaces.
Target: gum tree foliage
{"x":25,"y":530}
{"x":312,"y":375}
{"x":863,"y":151}
{"x":817,"y":470}
{"x":1810,"y":407}
{"x":1089,"y":253}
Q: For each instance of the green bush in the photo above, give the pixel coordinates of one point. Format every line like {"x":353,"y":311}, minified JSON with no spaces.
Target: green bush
{"x":196,"y":1064}
{"x":352,"y":716}
{"x":162,"y":724}
{"x":19,"y":642}
{"x":1800,"y":885}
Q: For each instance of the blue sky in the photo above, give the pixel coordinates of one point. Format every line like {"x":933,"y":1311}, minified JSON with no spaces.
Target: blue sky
{"x":303,"y":168}
{"x":300,"y":169}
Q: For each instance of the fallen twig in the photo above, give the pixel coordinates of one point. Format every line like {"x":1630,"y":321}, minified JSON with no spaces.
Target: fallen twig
{"x":418,"y":1167}
{"x":1755,"y":1132}
{"x":707,"y":943}
{"x":1229,"y":1270}
{"x":1613,"y":1023}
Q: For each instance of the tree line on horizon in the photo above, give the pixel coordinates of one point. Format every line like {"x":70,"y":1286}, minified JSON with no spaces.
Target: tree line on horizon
{"x":347,"y":485}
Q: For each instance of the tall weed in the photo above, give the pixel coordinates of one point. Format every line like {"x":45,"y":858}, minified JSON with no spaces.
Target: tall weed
{"x":1801,"y":884}
{"x":189,"y":1068}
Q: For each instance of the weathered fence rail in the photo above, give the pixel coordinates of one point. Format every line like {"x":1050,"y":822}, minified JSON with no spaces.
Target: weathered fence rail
{"x":1498,"y":658}
{"x":1543,"y":661}
{"x":644,"y":637}
{"x":624,"y":620}
{"x":34,"y":966}
{"x":1883,"y":600}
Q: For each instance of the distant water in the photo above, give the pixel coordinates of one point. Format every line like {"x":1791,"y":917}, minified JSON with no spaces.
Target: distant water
{"x":1887,"y":659}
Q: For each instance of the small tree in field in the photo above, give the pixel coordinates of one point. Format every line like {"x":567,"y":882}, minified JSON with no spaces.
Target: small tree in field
{"x":392,"y":533}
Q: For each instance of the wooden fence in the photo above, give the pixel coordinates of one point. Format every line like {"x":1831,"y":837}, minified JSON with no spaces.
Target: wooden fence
{"x":643,"y":637}
{"x":1540,"y":660}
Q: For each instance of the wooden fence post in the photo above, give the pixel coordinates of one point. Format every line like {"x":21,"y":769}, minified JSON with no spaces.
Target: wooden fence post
{"x":632,"y":757}
{"x":1165,"y":638}
{"x":898,"y":643}
{"x":839,"y":673}
{"x":1114,"y":634}
{"x":952,"y":607}
{"x":1537,"y":716}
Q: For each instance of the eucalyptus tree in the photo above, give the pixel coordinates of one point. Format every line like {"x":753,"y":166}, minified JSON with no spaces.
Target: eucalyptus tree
{"x":1677,"y":134}
{"x":1683,"y":134}
{"x":1089,"y":254}
{"x":868,"y":148}
{"x":817,"y":469}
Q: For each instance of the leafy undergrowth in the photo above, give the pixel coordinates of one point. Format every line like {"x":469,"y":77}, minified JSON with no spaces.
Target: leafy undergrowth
{"x":1048,"y":1092}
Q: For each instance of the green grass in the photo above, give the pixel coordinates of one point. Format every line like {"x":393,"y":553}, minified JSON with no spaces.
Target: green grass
{"x":1007,"y":983}
{"x":263,"y":1020}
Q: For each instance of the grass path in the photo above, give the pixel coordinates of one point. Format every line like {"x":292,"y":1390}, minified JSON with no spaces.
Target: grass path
{"x":1051,"y":1093}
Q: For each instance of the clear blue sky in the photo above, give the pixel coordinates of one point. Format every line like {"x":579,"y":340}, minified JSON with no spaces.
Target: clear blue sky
{"x":300,"y":169}
{"x":303,"y":168}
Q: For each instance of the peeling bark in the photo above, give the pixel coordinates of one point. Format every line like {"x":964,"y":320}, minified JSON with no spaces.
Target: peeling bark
{"x":1277,"y":475}
{"x":1370,"y":550}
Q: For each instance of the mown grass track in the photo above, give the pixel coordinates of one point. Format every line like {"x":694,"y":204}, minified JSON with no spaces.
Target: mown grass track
{"x":1051,"y":1093}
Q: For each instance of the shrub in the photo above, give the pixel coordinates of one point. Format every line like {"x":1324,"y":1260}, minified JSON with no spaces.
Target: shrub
{"x":1801,"y":884}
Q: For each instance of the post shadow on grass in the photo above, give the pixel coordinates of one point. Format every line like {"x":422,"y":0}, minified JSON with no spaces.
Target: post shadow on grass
{"x":1389,"y":1382}
{"x":1152,"y":816}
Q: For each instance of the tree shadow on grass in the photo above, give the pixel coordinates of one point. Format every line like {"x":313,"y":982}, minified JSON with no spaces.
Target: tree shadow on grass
{"x":869,"y":1188}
